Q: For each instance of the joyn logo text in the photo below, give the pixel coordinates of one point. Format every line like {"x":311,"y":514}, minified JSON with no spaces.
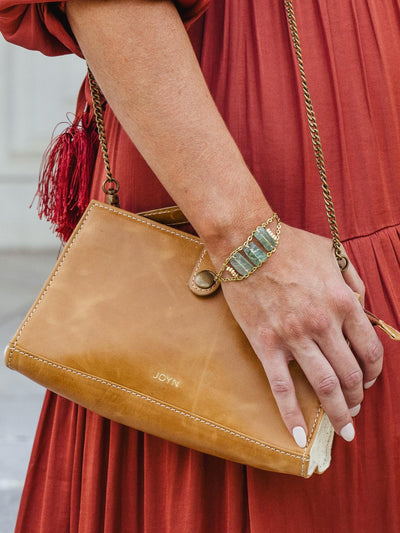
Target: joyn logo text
{"x":169,"y":380}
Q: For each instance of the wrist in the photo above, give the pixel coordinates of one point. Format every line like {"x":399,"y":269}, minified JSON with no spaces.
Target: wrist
{"x":229,"y":230}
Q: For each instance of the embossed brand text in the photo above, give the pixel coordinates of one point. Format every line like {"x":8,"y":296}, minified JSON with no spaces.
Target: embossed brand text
{"x":169,"y":380}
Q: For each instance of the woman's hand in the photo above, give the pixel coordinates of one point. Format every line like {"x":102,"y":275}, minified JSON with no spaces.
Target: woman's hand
{"x":298,"y":306}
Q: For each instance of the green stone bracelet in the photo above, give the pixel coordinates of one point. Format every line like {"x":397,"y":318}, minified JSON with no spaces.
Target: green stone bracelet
{"x":248,"y":257}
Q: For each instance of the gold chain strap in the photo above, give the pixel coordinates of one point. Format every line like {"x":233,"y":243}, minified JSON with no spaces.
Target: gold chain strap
{"x":110,"y":184}
{"x":316,"y":141}
{"x":112,"y":190}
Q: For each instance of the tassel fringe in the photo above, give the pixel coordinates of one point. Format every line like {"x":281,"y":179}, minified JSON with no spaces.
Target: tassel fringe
{"x":65,"y":175}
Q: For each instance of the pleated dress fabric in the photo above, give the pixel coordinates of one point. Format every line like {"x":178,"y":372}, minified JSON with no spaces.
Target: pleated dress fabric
{"x":90,"y":475}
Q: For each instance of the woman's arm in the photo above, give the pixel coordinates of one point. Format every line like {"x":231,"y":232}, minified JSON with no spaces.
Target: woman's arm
{"x":142,"y":58}
{"x":297,"y":305}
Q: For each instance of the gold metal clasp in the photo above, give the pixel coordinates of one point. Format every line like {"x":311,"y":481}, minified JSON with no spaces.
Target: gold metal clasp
{"x":111,"y":192}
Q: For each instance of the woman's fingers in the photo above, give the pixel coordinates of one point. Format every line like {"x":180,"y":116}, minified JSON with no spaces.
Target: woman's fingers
{"x":358,"y":330}
{"x":276,"y":368}
{"x":339,"y":396}
{"x":318,"y":342}
{"x":365,"y":343}
{"x":337,"y":351}
{"x":326,"y":385}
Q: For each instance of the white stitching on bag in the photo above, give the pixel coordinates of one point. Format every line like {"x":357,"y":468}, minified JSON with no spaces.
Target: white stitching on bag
{"x":167,"y":229}
{"x":157,"y":402}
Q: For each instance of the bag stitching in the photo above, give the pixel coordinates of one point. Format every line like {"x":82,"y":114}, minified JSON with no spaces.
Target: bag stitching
{"x":159,"y":403}
{"x":113,"y":210}
{"x":148,"y":223}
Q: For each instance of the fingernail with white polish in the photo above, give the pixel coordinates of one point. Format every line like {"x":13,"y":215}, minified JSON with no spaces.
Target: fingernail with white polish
{"x":369,"y":384}
{"x":299,"y":436}
{"x":347,"y":432}
{"x":355,"y":410}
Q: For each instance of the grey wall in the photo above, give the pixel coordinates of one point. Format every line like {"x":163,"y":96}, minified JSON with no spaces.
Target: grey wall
{"x":36,"y":93}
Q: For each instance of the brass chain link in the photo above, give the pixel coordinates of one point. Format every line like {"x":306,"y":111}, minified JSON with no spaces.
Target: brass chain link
{"x":316,"y":141}
{"x":110,"y":184}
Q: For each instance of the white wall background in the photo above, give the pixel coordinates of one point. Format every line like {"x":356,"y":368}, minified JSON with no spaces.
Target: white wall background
{"x":36,"y":93}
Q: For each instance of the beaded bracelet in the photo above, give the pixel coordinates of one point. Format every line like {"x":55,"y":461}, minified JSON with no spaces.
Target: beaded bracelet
{"x":248,"y":257}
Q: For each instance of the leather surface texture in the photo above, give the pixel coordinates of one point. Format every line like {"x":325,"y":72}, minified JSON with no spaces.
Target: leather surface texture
{"x":117,"y":329}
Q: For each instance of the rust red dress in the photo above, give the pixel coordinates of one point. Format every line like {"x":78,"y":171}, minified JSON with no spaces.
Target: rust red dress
{"x":89,"y":475}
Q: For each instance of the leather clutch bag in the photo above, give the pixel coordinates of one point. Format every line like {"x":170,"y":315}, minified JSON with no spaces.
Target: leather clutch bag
{"x":124,"y":328}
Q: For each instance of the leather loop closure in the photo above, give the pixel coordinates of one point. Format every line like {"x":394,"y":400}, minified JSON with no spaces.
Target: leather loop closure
{"x":203,"y":265}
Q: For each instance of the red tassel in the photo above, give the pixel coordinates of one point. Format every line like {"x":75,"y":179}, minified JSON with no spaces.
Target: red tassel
{"x":65,"y":175}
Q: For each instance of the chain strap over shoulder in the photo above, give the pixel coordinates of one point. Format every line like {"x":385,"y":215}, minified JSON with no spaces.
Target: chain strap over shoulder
{"x":111,"y":185}
{"x":316,"y":140}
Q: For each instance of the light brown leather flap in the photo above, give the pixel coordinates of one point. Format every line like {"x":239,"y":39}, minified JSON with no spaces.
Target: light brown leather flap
{"x":170,"y":216}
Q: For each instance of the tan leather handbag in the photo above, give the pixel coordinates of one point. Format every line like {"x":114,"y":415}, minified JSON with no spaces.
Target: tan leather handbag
{"x":122,"y":329}
{"x":130,"y":326}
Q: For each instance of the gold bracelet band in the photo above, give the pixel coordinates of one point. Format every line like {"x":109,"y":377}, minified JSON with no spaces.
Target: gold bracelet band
{"x":248,"y":257}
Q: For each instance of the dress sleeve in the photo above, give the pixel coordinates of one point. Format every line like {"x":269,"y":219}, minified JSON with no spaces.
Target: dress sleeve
{"x":43,"y":26}
{"x":190,"y":10}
